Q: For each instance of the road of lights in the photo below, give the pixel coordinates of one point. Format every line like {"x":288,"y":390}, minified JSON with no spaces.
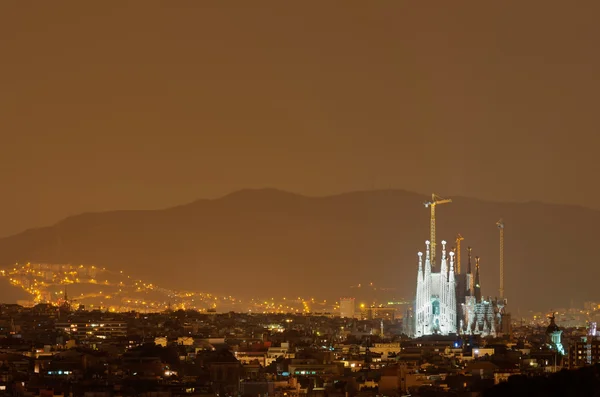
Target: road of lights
{"x":100,"y":288}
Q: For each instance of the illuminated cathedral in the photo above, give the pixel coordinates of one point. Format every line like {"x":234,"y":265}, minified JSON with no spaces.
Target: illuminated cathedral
{"x":435,"y":306}
{"x":449,"y":303}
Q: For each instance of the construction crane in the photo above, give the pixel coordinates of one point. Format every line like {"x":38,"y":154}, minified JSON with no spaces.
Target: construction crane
{"x":500,"y":225}
{"x":459,"y":238}
{"x":435,"y":200}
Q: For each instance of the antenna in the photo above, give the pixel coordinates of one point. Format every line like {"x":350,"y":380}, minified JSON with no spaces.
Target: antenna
{"x":500,"y":225}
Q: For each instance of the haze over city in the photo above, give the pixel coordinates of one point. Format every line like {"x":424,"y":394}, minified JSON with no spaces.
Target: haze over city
{"x":299,"y":199}
{"x":120,"y":106}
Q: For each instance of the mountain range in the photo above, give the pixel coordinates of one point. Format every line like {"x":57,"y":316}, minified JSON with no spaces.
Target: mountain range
{"x":268,"y":242}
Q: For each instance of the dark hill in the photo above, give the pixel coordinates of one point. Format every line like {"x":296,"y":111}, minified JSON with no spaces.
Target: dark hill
{"x":269,"y":242}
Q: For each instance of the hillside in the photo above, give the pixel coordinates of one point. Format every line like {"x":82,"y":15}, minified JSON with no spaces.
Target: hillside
{"x":268,"y":242}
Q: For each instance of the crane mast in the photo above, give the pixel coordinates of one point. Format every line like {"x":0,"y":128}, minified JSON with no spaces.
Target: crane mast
{"x":459,"y":238}
{"x":500,"y":225}
{"x":435,"y":200}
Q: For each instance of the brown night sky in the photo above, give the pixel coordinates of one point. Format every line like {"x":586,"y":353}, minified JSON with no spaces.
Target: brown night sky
{"x":148,"y":104}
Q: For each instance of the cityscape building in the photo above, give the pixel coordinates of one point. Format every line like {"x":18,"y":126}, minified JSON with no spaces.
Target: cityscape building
{"x":448,"y":303}
{"x":377,"y":313}
{"x":435,"y":305}
{"x":553,"y":333}
{"x":347,"y":307}
{"x":90,"y":330}
{"x":582,"y":352}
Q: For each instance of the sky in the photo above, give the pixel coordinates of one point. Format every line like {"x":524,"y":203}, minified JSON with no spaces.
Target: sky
{"x":148,"y":104}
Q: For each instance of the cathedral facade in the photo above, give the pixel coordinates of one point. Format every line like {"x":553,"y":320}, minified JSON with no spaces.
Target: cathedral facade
{"x":435,"y":304}
{"x":448,"y":303}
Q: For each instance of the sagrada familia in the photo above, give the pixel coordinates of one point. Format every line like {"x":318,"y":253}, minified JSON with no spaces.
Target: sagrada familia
{"x":449,"y":303}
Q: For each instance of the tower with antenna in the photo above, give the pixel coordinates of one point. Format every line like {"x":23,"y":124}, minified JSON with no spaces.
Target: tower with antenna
{"x":500,"y":225}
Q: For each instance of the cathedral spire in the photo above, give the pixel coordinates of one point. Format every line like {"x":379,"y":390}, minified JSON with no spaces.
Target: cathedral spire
{"x":470,"y":286}
{"x":443,"y":249}
{"x":477,"y":286}
{"x":419,"y":298}
{"x":452,"y":293}
{"x":444,"y":264}
{"x":469,"y":261}
{"x":427,"y":258}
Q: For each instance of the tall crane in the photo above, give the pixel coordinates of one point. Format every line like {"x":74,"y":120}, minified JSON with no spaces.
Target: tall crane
{"x":500,"y":225}
{"x":459,"y":238}
{"x":435,"y":200}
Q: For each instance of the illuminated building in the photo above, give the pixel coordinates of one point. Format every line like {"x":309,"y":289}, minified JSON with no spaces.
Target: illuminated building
{"x":585,"y":351}
{"x":479,"y":315}
{"x":435,"y":306}
{"x":378,"y":313}
{"x":313,"y":367}
{"x":553,"y":333}
{"x":448,"y":303}
{"x":89,"y":330}
{"x":347,"y":307}
{"x":273,"y":353}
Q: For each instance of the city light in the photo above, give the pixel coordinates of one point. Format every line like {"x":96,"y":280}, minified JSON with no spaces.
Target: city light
{"x":45,"y":283}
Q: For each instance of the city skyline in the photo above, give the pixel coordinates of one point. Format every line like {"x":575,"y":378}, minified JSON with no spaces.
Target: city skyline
{"x":299,"y":199}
